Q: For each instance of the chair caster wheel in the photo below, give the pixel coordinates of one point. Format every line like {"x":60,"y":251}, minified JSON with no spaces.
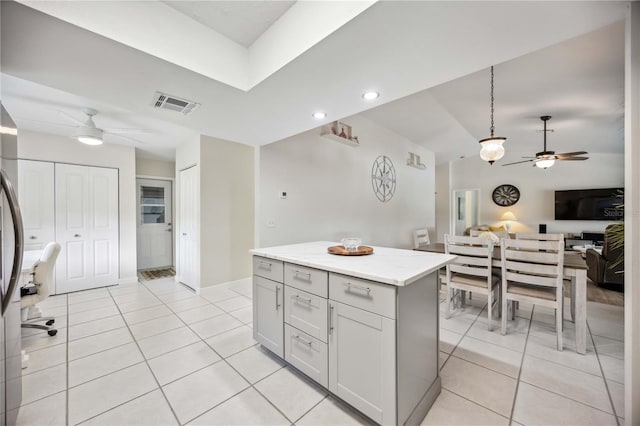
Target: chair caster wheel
{"x":50,"y":322}
{"x":52,"y":332}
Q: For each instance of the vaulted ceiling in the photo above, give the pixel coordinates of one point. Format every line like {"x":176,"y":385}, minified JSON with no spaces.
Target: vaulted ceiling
{"x":260,"y":69}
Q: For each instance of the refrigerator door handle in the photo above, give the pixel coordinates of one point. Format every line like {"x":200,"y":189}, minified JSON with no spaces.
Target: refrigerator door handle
{"x":18,"y":235}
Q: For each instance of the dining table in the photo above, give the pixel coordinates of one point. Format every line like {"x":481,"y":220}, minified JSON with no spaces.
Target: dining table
{"x":575,"y":268}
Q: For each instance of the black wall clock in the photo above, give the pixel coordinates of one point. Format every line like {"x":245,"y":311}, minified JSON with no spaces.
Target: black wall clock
{"x":505,"y":195}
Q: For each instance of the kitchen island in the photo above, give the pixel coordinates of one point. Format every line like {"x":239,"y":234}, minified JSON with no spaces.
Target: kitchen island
{"x":364,"y":327}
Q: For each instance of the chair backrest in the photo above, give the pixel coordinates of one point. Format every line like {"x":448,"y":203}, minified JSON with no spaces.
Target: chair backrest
{"x":474,"y":255}
{"x":540,"y":237}
{"x":43,"y":271}
{"x":533,"y":262}
{"x":421,"y":238}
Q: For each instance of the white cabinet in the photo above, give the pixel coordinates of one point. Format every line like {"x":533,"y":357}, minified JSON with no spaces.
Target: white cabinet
{"x":373,"y":345}
{"x":188,"y":220}
{"x":36,"y":197}
{"x":86,"y":206}
{"x":362,"y":361}
{"x":268,"y":314}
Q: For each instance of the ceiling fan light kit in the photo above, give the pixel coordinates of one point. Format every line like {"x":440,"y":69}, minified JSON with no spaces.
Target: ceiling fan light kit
{"x":89,"y":135}
{"x":492,"y":149}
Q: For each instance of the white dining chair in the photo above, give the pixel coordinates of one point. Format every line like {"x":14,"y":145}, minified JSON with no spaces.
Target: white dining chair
{"x":471,"y":271}
{"x":532,"y":272}
{"x":421,"y":238}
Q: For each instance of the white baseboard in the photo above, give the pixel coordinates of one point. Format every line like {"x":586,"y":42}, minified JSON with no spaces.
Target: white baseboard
{"x":128,"y":280}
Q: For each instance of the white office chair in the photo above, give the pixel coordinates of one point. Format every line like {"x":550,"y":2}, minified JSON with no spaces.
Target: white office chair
{"x":42,"y":279}
{"x":420,"y":238}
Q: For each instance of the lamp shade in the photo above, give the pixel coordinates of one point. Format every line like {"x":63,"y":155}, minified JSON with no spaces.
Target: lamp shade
{"x":508,"y":215}
{"x":492,"y":149}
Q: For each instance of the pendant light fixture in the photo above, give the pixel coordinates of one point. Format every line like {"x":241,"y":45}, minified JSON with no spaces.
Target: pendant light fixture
{"x":492,"y":148}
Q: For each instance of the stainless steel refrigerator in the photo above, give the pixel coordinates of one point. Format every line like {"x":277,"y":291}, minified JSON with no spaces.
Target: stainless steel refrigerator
{"x":11,"y":236}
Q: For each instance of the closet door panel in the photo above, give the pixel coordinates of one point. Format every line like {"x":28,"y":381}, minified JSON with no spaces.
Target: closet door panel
{"x":36,"y":197}
{"x":103,"y":211}
{"x":86,"y":200}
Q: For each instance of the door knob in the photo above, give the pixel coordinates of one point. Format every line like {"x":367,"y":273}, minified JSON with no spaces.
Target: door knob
{"x":33,"y":237}
{"x":169,"y":230}
{"x":77,"y":235}
{"x":184,"y":234}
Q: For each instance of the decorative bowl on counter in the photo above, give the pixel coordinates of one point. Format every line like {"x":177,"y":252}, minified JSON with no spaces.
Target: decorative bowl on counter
{"x":351,"y":243}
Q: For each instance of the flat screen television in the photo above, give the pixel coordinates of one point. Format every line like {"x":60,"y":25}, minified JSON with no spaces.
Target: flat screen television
{"x":589,"y":204}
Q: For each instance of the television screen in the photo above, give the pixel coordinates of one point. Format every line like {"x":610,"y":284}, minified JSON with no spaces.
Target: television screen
{"x":589,"y":204}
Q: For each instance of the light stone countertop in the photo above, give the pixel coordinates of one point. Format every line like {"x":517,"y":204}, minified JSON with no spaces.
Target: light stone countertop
{"x":386,"y":265}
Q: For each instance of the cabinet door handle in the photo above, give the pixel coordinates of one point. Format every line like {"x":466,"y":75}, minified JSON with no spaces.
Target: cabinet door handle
{"x":298,"y":298}
{"x":277,"y":292}
{"x":306,"y":342}
{"x":265,"y":264}
{"x":349,"y":286}
{"x":77,"y":235}
{"x":307,"y":274}
{"x":330,"y":319}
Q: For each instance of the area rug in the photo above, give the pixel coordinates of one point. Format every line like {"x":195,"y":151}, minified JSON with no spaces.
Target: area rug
{"x":157,"y":273}
{"x":600,"y":295}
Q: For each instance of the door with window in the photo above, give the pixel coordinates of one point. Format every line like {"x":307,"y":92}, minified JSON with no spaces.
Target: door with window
{"x":155,"y":224}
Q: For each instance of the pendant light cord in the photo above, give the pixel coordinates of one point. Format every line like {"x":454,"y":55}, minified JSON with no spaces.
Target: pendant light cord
{"x":491,"y":129}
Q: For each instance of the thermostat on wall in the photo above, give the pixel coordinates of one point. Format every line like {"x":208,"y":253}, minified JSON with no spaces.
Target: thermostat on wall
{"x":283,"y":195}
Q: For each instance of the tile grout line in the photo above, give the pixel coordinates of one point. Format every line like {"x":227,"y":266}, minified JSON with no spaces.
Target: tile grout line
{"x":144,"y":358}
{"x":222,"y":358}
{"x":251,"y":385}
{"x":604,"y":377}
{"x":524,"y":353}
{"x":66,"y":388}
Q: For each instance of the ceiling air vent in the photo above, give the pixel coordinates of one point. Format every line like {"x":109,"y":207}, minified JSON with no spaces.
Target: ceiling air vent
{"x":164,"y":101}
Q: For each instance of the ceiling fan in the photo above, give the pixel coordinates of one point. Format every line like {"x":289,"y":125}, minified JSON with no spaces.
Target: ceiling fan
{"x":545,"y":159}
{"x":87,"y":132}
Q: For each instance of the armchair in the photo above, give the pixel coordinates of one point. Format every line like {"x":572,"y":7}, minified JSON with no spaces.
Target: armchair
{"x":600,"y":270}
{"x":42,"y":279}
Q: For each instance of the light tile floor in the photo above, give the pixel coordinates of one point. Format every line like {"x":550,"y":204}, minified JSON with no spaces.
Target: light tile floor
{"x":155,"y":353}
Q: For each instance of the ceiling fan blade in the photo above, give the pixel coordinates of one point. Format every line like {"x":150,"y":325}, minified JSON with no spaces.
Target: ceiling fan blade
{"x":518,"y":162}
{"x":71,"y":117}
{"x":136,"y":141}
{"x":573,"y":159}
{"x":128,"y":131}
{"x":569,"y":154}
{"x":48,"y":123}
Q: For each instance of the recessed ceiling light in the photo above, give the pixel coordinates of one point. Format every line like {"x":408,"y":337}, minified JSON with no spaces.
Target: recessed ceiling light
{"x":370,"y":95}
{"x":319,"y":115}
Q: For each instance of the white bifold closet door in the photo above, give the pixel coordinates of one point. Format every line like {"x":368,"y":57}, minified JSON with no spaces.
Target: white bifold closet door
{"x":86,"y":200}
{"x":36,"y":197}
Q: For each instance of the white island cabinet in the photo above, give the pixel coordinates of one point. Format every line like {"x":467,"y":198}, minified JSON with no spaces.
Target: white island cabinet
{"x":364,"y":327}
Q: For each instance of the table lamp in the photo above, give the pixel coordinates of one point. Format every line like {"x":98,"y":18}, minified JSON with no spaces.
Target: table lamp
{"x":508,"y":216}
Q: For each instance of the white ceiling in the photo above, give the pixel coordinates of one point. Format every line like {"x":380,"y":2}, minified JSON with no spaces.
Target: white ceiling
{"x":241,"y":21}
{"x":398,"y":48}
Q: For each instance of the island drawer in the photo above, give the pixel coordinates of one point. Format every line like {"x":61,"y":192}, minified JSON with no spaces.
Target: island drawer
{"x":363,"y":294}
{"x":306,"y":312}
{"x":268,"y":268}
{"x":307,"y":354}
{"x":310,"y":280}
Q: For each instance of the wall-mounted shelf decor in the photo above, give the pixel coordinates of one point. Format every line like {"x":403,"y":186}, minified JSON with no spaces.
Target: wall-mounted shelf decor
{"x":414,"y":161}
{"x":338,"y":131}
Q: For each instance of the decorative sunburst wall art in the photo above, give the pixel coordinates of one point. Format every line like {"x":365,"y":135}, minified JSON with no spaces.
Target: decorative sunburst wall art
{"x":383,"y":178}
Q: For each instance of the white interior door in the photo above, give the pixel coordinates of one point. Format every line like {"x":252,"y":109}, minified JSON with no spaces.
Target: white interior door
{"x":189,"y":227}
{"x":86,"y":204}
{"x":155,"y":230}
{"x":36,"y":197}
